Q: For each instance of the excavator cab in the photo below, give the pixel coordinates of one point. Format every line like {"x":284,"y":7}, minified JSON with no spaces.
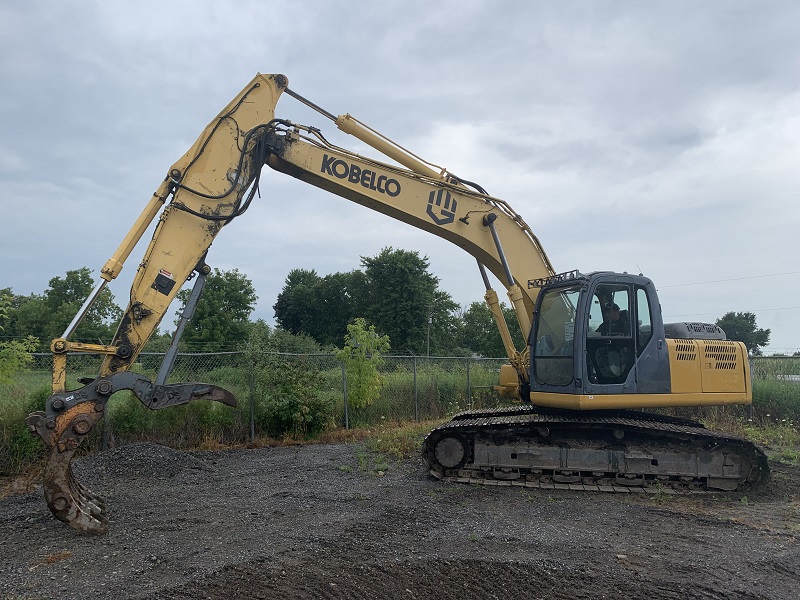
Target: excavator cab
{"x":596,"y":335}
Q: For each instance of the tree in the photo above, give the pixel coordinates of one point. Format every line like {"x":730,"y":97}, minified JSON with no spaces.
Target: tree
{"x":274,"y":339}
{"x":479,"y":331}
{"x":320,"y":307}
{"x":296,"y":300}
{"x":46,"y":316}
{"x":402,"y":295}
{"x":294,"y":343}
{"x":742,"y":327}
{"x":221,"y":318}
{"x":15,"y":353}
{"x":339,"y":300}
{"x":395,"y":292}
{"x":444,"y":326}
{"x":361,"y":356}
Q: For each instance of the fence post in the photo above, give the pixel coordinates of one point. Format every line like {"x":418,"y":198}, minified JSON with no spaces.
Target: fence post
{"x":252,"y":406}
{"x":469,"y":386}
{"x":344,"y":394}
{"x":416,"y":396}
{"x":751,"y":362}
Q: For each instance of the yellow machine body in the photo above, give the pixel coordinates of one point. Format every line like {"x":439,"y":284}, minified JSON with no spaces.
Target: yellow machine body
{"x":213,"y":184}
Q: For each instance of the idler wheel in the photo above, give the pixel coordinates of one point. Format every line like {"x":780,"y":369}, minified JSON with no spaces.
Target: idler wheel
{"x":450,"y":452}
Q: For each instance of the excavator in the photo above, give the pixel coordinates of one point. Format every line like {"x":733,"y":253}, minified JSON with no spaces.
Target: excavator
{"x":598,"y":359}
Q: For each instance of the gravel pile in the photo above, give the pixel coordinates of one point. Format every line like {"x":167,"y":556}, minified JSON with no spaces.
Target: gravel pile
{"x":146,"y":460}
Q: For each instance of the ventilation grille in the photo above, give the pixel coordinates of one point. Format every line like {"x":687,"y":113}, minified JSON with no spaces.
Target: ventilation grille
{"x":722,"y":354}
{"x":686,"y":350}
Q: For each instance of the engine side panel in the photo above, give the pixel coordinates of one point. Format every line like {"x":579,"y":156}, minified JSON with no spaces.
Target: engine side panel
{"x":710,"y":367}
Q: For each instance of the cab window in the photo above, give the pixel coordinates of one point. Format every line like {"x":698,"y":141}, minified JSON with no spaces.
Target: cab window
{"x":644,"y":328}
{"x":609,"y":338}
{"x":553,"y":361}
{"x":609,"y":314}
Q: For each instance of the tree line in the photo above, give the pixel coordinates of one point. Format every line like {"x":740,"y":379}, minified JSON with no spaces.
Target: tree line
{"x":394,"y":292}
{"x":397,"y":294}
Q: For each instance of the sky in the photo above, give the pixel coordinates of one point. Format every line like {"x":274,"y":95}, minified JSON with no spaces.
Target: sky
{"x":660,"y":138}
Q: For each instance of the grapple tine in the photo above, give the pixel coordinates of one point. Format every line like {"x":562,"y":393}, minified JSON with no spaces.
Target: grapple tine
{"x":68,"y":499}
{"x":83,"y":493}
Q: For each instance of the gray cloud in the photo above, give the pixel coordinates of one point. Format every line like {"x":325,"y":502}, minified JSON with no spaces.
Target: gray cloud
{"x":676,"y":122}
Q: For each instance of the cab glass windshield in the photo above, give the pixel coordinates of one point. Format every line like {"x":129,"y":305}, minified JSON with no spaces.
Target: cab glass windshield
{"x":555,"y":335}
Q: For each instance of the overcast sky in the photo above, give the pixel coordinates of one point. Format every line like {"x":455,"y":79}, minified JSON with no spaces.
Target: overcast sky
{"x":652,"y":137}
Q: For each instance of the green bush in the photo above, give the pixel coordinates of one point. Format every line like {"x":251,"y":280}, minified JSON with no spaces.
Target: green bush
{"x":290,"y":415}
{"x":288,"y":400}
{"x":129,"y":418}
{"x":361,"y":356}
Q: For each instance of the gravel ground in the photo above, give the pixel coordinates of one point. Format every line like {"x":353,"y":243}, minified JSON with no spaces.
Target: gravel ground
{"x":333,"y":521}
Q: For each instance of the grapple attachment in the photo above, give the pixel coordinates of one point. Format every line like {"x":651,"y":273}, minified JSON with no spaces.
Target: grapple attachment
{"x":68,"y":419}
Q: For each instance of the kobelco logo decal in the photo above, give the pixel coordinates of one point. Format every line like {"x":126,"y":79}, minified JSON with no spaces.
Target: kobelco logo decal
{"x":355,"y":174}
{"x":445,"y":206}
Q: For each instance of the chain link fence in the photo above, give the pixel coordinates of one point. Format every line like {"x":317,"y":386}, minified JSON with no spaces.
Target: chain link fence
{"x":302,"y":395}
{"x":309,"y":392}
{"x":776,"y":368}
{"x":414,"y":387}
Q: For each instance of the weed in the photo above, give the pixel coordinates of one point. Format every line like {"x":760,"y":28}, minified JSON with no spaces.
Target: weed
{"x":661,"y":495}
{"x":381,"y":465}
{"x":789,"y":455}
{"x":363,"y":460}
{"x":399,"y":440}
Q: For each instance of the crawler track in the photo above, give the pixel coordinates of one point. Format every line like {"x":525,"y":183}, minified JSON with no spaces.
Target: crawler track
{"x":620,"y":452}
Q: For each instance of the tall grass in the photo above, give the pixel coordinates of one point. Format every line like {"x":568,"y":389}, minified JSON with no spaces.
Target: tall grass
{"x":776,"y":399}
{"x":18,"y":448}
{"x":303,"y":396}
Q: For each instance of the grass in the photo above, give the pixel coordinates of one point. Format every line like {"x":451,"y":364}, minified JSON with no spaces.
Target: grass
{"x":387,"y":428}
{"x":398,"y":441}
{"x":18,"y":448}
{"x":781,"y":440}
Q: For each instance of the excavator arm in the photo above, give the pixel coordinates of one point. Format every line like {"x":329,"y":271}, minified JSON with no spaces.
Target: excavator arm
{"x":210,"y":186}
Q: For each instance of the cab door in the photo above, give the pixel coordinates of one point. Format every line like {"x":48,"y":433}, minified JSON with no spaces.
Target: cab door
{"x":652,"y":356}
{"x":610,"y":339}
{"x":628,"y":354}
